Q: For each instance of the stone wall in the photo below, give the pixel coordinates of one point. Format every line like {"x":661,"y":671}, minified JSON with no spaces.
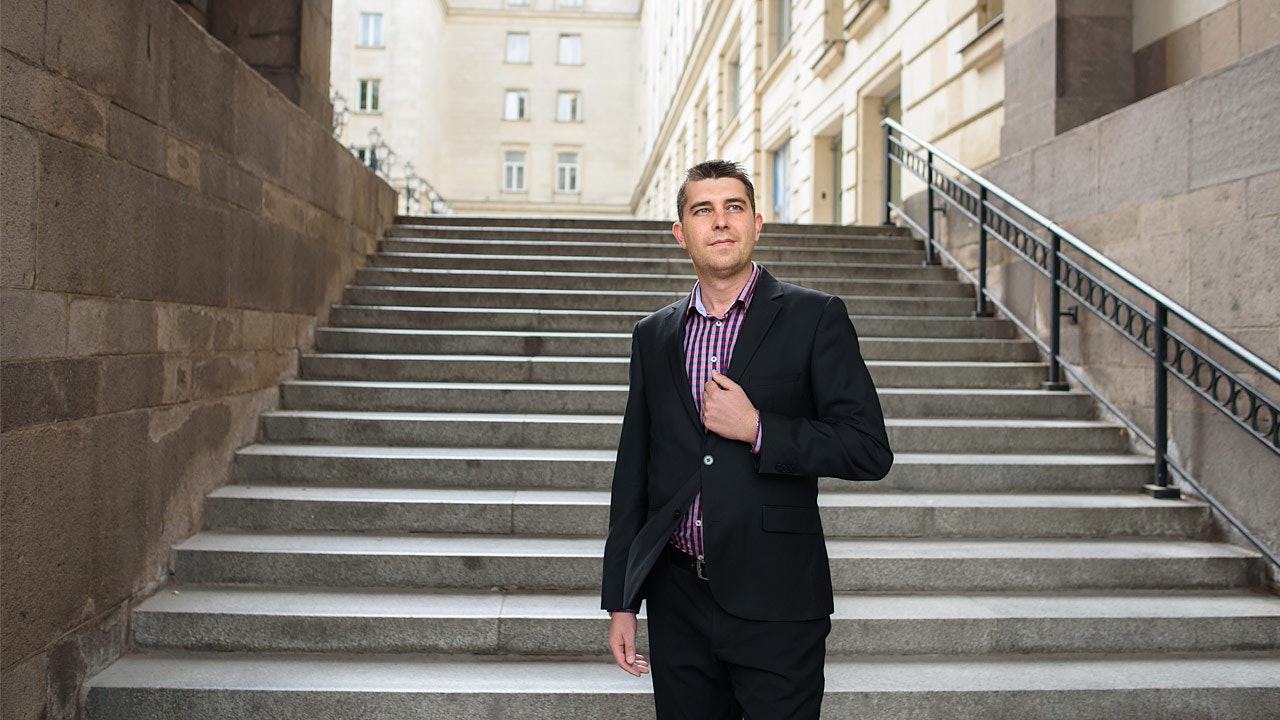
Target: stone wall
{"x":173,"y":228}
{"x":1183,"y":190}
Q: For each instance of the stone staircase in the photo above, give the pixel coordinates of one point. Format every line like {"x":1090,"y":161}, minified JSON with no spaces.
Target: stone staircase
{"x":418,"y":532}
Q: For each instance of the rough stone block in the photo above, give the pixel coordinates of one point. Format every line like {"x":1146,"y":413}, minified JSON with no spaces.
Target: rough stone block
{"x":101,"y":326}
{"x":1148,"y":71}
{"x":1182,"y":55}
{"x":262,"y":271}
{"x":69,"y":251}
{"x":40,"y":392}
{"x":182,"y":163}
{"x":1212,"y":206}
{"x":1220,"y":38}
{"x":18,"y":211}
{"x":223,"y":374}
{"x":115,"y":49}
{"x":132,"y":381}
{"x":1233,"y":130}
{"x":201,"y":78}
{"x":1066,"y":174}
{"x":1259,"y":26}
{"x":257,"y":329}
{"x":1237,"y":279}
{"x":1093,"y":54}
{"x":135,"y":139}
{"x":1158,"y":217}
{"x":244,"y":189}
{"x":177,"y":379}
{"x":32,"y":325}
{"x":260,"y":115}
{"x":192,"y":256}
{"x":71,"y":506}
{"x":1030,"y":70}
{"x":128,"y":246}
{"x":283,"y":207}
{"x":1143,"y":151}
{"x":22,"y":31}
{"x":192,"y":446}
{"x":26,"y":686}
{"x":1264,"y":195}
{"x":1030,"y":128}
{"x":1028,"y":16}
{"x":50,"y":103}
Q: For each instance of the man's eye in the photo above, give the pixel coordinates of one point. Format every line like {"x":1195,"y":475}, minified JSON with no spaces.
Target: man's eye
{"x":735,"y":206}
{"x":701,"y":211}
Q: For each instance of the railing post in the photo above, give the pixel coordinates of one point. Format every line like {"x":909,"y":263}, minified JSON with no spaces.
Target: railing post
{"x":888,"y":175}
{"x":1160,"y":488}
{"x":1055,"y":318}
{"x":982,"y":310}
{"x":928,"y":241}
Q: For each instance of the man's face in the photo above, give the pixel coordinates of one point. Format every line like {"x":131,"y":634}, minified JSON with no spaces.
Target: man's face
{"x":719,"y":230}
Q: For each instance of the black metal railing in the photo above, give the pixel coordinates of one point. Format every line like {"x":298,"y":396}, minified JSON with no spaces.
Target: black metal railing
{"x":1040,"y":242}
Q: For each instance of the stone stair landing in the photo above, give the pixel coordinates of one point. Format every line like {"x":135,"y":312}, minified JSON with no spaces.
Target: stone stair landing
{"x":417,"y":533}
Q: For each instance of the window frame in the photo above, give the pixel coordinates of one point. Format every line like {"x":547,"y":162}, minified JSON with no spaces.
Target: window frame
{"x":527,"y":50}
{"x":568,"y":174}
{"x":575,"y":56}
{"x":368,"y":95}
{"x":575,"y":106}
{"x":521,"y":98}
{"x":363,"y":38}
{"x":515,"y":170}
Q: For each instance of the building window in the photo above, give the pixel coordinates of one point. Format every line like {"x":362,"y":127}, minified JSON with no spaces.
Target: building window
{"x":569,"y":106}
{"x":782,"y":183}
{"x":570,"y":49}
{"x":369,"y":95}
{"x":518,"y":47}
{"x":732,"y":85}
{"x":570,"y":3}
{"x":517,"y":105}
{"x":371,"y":30}
{"x":567,"y":172}
{"x":517,"y":2}
{"x":513,"y":171}
{"x":781,"y":18}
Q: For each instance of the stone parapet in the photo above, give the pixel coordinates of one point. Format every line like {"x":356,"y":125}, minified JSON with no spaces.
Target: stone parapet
{"x":173,"y":226}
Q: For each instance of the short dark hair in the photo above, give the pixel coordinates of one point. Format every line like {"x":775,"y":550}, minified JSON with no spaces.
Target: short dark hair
{"x":713,"y":170}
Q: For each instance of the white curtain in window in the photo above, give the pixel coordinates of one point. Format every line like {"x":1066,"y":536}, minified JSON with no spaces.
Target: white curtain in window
{"x":570,"y":49}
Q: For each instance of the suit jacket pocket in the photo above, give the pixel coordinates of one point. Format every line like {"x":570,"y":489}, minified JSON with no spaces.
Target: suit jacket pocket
{"x":792,"y":520}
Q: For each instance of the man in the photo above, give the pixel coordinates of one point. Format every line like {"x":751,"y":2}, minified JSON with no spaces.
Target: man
{"x":742,"y":395}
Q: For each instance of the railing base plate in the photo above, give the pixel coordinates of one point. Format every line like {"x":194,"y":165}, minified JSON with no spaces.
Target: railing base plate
{"x":1162,"y":492}
{"x":1055,"y":386}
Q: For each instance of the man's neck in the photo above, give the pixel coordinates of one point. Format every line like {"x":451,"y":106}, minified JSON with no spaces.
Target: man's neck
{"x":719,"y":293}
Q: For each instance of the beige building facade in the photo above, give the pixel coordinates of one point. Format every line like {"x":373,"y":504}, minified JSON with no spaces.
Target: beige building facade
{"x":521,"y":107}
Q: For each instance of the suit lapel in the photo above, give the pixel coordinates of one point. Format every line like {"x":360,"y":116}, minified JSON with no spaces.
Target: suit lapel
{"x":764,"y":308}
{"x":671,"y":340}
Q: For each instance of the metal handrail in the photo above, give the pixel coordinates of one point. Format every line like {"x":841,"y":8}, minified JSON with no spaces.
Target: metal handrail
{"x":1170,"y":352}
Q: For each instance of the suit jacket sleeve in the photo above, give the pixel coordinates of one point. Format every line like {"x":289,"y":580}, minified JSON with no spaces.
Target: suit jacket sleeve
{"x":629,"y":504}
{"x":847,"y":437}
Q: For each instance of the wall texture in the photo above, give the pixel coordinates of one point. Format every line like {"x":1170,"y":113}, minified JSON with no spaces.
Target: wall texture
{"x":172,"y":226}
{"x":1183,"y":190}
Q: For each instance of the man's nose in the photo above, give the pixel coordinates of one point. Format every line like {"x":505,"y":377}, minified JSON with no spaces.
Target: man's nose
{"x":721,"y":218}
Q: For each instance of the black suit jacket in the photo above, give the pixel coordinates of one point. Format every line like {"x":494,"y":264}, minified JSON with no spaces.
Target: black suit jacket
{"x":797,"y":358}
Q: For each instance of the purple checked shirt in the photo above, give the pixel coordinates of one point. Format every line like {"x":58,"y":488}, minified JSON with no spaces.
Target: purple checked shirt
{"x":708,"y":345}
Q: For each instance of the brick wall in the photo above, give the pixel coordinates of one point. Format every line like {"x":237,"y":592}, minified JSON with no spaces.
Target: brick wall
{"x":172,"y":228}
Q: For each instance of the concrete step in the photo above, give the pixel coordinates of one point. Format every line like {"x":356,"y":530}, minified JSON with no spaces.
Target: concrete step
{"x":522,"y":342}
{"x":541,"y":430}
{"x":367,"y":466}
{"x":611,"y":399}
{"x":408,"y":317}
{"x":215,"y":686}
{"x":765,"y":254}
{"x":273,"y":620}
{"x":674,"y":265}
{"x":408,"y":223}
{"x":613,"y":370}
{"x":637,"y":301}
{"x":573,"y":563}
{"x":586,"y":512}
{"x":467,"y":278}
{"x":781,"y":237}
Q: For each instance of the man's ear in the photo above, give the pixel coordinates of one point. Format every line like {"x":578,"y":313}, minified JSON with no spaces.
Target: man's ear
{"x":677,"y":229}
{"x":759,"y":222}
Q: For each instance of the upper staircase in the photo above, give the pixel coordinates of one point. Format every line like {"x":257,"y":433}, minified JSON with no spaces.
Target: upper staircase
{"x":418,"y":531}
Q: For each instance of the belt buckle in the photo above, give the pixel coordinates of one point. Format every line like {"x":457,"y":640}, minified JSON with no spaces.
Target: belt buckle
{"x":698,"y":564}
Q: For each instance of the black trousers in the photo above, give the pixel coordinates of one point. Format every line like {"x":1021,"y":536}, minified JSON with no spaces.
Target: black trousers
{"x":710,"y":665}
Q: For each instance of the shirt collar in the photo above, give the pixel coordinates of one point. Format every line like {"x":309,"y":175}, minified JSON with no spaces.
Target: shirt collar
{"x":744,"y":296}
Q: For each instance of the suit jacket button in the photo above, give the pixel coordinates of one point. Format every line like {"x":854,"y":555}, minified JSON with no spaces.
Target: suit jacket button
{"x":676,"y":514}
{"x":708,"y":460}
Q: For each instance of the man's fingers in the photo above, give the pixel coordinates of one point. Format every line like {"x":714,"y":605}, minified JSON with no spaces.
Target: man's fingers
{"x":722,"y":380}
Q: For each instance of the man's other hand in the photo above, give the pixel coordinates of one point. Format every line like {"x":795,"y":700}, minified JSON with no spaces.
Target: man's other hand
{"x":622,"y":642}
{"x":727,"y":411}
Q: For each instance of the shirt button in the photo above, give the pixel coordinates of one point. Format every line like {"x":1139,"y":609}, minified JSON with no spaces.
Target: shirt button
{"x":698,"y":523}
{"x":707,"y":460}
{"x":719,"y":323}
{"x":713,"y":359}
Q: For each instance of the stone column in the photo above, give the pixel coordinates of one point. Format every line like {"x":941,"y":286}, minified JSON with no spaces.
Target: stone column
{"x":1066,"y":63}
{"x":286,"y":41}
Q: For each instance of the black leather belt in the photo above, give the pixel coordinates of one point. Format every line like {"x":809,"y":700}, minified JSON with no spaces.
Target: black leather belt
{"x":678,"y":557}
